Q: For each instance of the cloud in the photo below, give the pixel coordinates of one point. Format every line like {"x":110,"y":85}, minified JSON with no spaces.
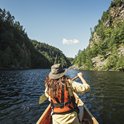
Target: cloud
{"x":70,"y":41}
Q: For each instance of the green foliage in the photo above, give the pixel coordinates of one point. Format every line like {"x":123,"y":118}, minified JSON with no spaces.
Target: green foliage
{"x":17,"y":50}
{"x":99,"y":31}
{"x":111,"y":63}
{"x":116,"y":3}
{"x":120,"y":63}
{"x":71,"y":59}
{"x":106,"y":39}
{"x":53,"y":54}
{"x":83,"y":60}
{"x":105,"y":16}
{"x":115,"y":62}
{"x":14,"y":43}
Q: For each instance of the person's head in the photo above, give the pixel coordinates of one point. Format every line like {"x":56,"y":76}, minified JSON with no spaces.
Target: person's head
{"x":57,"y":71}
{"x":55,"y":80}
{"x":56,"y":75}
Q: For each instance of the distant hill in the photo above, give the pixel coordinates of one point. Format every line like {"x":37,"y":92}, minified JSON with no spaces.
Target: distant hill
{"x":17,"y":51}
{"x":71,"y":59}
{"x":106,"y":45}
{"x":51,"y":53}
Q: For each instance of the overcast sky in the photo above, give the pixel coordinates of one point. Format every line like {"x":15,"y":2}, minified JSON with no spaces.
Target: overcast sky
{"x":64,"y":24}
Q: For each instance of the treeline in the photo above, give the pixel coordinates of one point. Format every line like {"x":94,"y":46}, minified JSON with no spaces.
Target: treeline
{"x":53,"y":54}
{"x":17,"y":50}
{"x":106,"y":46}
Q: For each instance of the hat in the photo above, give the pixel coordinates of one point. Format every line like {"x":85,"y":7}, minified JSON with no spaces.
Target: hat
{"x":56,"y":71}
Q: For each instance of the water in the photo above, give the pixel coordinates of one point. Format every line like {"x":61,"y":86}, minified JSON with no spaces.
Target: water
{"x":20,"y":91}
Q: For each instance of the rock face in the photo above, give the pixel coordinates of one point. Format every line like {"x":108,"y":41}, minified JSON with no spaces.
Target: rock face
{"x":106,"y":45}
{"x":98,"y":62}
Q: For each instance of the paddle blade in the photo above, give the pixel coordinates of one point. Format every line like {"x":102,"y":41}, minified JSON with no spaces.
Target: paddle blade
{"x":42,"y":99}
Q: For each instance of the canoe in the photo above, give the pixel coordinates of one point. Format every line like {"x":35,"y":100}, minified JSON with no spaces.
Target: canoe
{"x":87,"y":118}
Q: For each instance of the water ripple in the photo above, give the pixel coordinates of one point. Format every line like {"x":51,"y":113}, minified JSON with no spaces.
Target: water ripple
{"x":20,"y":91}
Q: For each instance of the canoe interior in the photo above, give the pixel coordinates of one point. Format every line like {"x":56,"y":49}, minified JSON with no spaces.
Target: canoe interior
{"x":88,"y":118}
{"x":46,"y":117}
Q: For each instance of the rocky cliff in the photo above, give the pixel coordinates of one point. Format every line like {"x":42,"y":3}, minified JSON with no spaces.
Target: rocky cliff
{"x":106,"y":45}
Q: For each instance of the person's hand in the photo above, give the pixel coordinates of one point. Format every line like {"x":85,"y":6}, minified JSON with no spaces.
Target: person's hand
{"x":80,"y":75}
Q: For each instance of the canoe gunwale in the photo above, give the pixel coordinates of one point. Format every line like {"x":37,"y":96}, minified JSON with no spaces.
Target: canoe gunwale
{"x":48,"y":109}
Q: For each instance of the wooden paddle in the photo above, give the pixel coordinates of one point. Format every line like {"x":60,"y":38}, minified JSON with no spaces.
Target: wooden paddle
{"x":43,"y":97}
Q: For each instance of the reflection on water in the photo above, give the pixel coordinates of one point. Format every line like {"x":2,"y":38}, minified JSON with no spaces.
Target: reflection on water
{"x":20,"y":90}
{"x":107,"y":96}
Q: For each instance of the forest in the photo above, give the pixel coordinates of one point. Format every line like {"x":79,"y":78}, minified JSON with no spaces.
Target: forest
{"x":106,"y":45}
{"x":18,"y":51}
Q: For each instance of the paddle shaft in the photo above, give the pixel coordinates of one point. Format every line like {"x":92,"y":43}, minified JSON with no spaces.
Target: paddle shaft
{"x":74,"y":78}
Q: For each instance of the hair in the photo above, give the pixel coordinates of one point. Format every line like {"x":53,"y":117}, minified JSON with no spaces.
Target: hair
{"x":53,"y":85}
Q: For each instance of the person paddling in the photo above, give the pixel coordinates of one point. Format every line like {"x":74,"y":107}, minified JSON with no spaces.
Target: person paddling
{"x":59,"y":89}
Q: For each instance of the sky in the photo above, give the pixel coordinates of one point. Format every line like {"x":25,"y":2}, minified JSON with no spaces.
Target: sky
{"x":65,"y":24}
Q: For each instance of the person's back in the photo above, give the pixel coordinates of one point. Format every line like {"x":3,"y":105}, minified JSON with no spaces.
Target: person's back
{"x":59,"y":89}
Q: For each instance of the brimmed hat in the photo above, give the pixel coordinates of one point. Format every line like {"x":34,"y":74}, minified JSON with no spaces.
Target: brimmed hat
{"x":56,"y":71}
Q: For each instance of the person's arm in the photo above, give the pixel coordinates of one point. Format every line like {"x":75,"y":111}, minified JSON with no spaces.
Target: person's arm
{"x":80,"y":75}
{"x":80,"y":88}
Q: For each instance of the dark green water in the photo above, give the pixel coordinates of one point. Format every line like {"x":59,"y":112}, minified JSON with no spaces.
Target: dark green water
{"x":20,"y":90}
